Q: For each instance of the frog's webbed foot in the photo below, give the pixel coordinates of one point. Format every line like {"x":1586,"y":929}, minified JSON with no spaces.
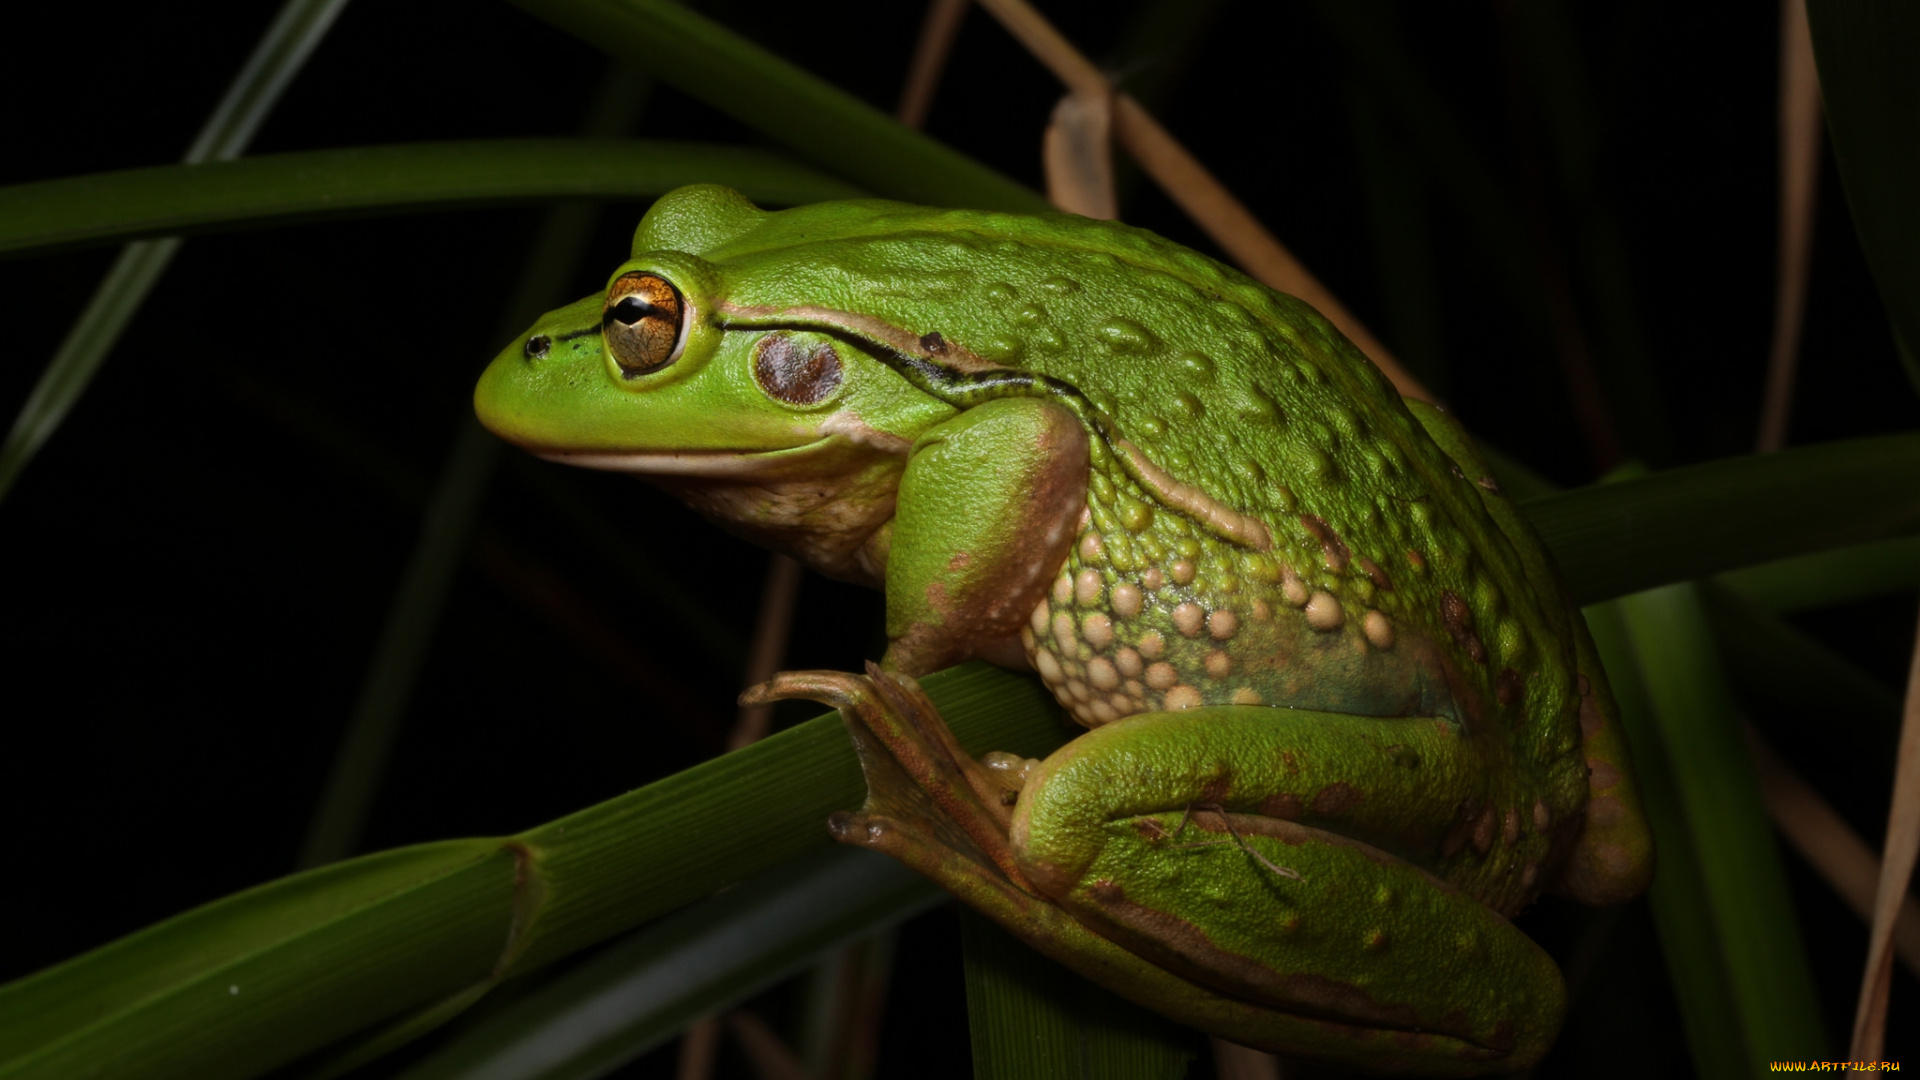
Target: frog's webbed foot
{"x":929,"y":804}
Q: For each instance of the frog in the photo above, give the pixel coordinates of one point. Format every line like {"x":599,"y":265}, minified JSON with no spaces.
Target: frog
{"x":1342,"y":721}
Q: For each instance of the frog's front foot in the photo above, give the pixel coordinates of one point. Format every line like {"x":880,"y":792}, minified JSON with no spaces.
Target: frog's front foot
{"x":929,"y":803}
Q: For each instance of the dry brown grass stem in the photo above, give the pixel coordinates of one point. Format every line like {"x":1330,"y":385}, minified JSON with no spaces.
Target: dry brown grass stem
{"x":768,"y":1054}
{"x":1822,"y":837}
{"x":1896,"y":870}
{"x":1799,"y":181}
{"x":699,"y":1047}
{"x":1231,"y":1061}
{"x":1194,"y":188}
{"x":929,"y":61}
{"x":768,"y":649}
{"x":1078,"y":152}
{"x":765,"y":652}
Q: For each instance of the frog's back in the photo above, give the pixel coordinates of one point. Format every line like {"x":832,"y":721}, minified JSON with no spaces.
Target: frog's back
{"x":1268,"y":523}
{"x":1246,"y":390}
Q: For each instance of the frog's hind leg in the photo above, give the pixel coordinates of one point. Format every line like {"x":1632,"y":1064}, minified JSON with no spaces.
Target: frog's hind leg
{"x":1289,"y":858}
{"x":1612,"y":862}
{"x":926,"y":808}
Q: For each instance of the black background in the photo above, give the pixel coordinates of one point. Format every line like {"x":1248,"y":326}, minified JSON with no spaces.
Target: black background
{"x":194,"y":570}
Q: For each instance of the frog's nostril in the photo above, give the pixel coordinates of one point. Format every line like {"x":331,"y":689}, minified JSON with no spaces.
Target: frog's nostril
{"x":537,"y":346}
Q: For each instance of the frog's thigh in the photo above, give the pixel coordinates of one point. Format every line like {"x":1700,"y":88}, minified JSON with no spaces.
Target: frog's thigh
{"x":1613,"y":862}
{"x":988,"y":506}
{"x":1299,"y":915}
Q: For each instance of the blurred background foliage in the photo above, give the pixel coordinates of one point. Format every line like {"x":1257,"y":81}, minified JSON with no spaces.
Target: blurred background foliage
{"x":1561,"y":216}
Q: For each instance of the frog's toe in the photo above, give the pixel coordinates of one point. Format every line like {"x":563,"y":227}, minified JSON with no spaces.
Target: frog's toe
{"x":911,"y":841}
{"x":922,"y":786}
{"x":837,"y":689}
{"x":859,"y":830}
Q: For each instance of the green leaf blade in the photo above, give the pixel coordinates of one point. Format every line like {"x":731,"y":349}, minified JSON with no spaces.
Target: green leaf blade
{"x":1611,"y":540}
{"x":769,"y":813}
{"x":1871,"y":89}
{"x":1720,"y":897}
{"x":286,"y":189}
{"x":1682,"y":912}
{"x":324,"y":954}
{"x":1032,"y":1019}
{"x":642,"y":991}
{"x":236,"y":987}
{"x":811,"y":117}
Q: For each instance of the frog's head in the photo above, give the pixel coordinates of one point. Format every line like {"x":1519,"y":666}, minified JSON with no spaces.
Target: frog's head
{"x":700,"y":358}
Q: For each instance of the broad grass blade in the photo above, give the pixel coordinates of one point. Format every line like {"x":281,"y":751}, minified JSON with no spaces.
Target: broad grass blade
{"x":1830,"y":577}
{"x":1864,"y":50}
{"x":446,"y":525}
{"x":1719,"y":862}
{"x":266,"y":976}
{"x":640,"y":992}
{"x":1034,"y":1020}
{"x":323,"y":185}
{"x":1704,"y":519}
{"x":276,"y":59}
{"x":1682,"y":913}
{"x":816,"y":120}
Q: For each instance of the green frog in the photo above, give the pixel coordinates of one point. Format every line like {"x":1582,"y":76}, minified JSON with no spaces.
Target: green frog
{"x":1343,"y":720}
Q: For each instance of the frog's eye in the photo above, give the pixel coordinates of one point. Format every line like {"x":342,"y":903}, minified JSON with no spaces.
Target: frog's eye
{"x":642,"y":322}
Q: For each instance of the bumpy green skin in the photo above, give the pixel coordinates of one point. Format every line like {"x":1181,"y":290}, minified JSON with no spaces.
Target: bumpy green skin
{"x":1185,"y":500}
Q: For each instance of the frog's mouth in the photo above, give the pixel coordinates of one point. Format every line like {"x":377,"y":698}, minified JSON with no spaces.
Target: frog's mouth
{"x":741,"y":464}
{"x":843,"y":440}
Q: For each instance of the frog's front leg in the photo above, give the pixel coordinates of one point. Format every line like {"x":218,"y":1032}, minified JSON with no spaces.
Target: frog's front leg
{"x":989,"y":503}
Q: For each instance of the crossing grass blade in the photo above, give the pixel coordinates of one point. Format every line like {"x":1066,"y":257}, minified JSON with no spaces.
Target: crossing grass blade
{"x":377,"y":953}
{"x":276,"y":59}
{"x":1720,"y":866}
{"x":238,"y":986}
{"x":1830,"y":577}
{"x":446,"y":525}
{"x":641,"y":991}
{"x":1682,"y":912}
{"x":1621,"y":538}
{"x":263,"y":977}
{"x":324,"y":185}
{"x":1032,"y":1019}
{"x":1871,"y":88}
{"x":816,"y":120}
